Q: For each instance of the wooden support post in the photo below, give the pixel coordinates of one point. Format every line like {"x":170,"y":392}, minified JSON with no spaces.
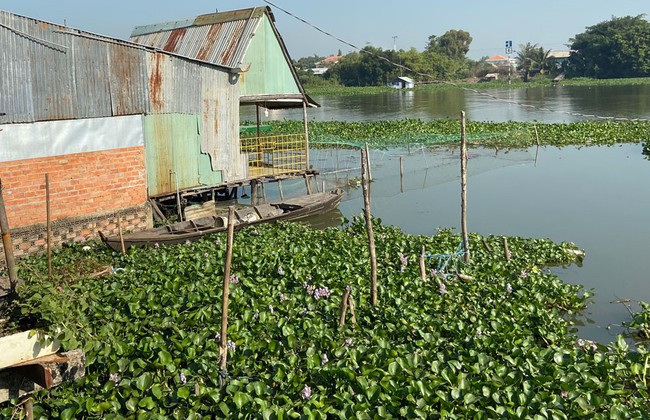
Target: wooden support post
{"x":48,"y":226}
{"x":120,"y":232}
{"x":7,"y":243}
{"x":371,"y":236}
{"x":423,"y":268}
{"x":463,"y":176}
{"x":253,"y":192}
{"x":223,"y":349}
{"x":263,"y":186}
{"x":307,"y":183}
{"x":280,"y":188}
{"x":506,"y":250}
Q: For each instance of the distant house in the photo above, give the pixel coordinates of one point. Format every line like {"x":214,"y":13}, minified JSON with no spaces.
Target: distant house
{"x":500,"y":61}
{"x":319,"y":71}
{"x":558,"y":58}
{"x":329,"y":61}
{"x":402,"y":82}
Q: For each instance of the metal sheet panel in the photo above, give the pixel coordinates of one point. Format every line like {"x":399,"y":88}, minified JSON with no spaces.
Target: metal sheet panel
{"x":173,"y":157}
{"x":270,"y":73}
{"x":51,"y":72}
{"x":55,"y":138}
{"x":218,"y":38}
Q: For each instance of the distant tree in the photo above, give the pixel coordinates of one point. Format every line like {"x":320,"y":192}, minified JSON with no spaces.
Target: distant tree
{"x":531,"y":58}
{"x":307,"y":62}
{"x":370,"y":67}
{"x":616,"y":48}
{"x":453,"y":44}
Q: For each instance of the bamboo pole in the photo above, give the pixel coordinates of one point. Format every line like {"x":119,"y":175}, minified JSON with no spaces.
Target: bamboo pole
{"x":463,"y":175}
{"x":304,"y":119}
{"x":371,"y":236}
{"x":7,"y":243}
{"x":506,"y":250}
{"x":223,"y":350}
{"x":401,"y":174}
{"x":344,"y":306}
{"x":369,"y":167}
{"x":120,"y":232}
{"x":48,"y":224}
{"x":353,"y":317}
{"x":423,"y":267}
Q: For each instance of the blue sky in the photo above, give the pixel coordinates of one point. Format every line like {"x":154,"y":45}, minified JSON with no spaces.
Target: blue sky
{"x":549,"y":23}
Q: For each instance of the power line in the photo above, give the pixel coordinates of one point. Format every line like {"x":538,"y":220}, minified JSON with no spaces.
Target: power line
{"x":433,"y":79}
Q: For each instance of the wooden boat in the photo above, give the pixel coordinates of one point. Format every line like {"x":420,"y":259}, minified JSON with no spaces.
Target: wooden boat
{"x":191,"y":230}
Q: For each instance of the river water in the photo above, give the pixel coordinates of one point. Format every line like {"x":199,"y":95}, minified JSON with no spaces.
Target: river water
{"x":596,"y":197}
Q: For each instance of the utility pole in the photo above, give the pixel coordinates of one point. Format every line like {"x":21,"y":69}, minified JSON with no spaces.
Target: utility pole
{"x":509,"y":51}
{"x":394,"y":43}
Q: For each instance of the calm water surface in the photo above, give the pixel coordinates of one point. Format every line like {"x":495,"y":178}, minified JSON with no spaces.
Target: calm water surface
{"x":606,"y":101}
{"x":596,"y":197}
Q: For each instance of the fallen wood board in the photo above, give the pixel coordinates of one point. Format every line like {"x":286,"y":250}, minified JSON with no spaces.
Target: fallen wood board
{"x":53,"y":370}
{"x":25,"y":346}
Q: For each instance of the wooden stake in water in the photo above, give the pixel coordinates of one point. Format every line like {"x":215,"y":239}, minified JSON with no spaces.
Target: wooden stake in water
{"x":463,"y":194}
{"x":223,"y":349}
{"x":7,"y":243}
{"x":369,"y":164}
{"x":401,"y":173}
{"x":423,"y":268}
{"x":48,"y":224}
{"x":371,"y":235}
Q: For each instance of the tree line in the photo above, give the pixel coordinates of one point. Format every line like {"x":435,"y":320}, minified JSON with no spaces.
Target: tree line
{"x":616,"y":48}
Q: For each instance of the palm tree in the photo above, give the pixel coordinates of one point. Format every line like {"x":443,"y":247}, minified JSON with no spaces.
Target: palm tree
{"x":530,"y":57}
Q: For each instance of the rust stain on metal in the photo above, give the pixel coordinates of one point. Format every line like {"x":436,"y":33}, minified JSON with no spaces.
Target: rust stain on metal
{"x":209,"y":42}
{"x":155,"y":83}
{"x":174,"y":37}
{"x":230,"y":49}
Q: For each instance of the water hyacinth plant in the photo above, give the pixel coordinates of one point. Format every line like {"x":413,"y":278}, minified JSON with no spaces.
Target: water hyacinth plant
{"x":150,"y":332}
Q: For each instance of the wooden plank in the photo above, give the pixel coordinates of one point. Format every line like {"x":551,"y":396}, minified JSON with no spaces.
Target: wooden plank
{"x":51,"y":370}
{"x":20,"y":347}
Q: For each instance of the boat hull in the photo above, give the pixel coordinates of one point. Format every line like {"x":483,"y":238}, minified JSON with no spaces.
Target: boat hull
{"x":182,"y":232}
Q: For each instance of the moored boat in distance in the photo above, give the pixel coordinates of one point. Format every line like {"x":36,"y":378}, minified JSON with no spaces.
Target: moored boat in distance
{"x":191,"y":230}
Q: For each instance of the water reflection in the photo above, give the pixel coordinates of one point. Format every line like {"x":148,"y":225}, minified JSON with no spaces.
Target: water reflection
{"x":562,"y":104}
{"x":596,"y":197}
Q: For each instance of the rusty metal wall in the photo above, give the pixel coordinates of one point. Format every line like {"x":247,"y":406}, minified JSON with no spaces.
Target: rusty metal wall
{"x":221,"y":38}
{"x":181,"y":86}
{"x":52,"y":72}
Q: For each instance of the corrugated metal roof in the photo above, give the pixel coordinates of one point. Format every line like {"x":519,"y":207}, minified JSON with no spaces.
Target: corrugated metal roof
{"x":217,"y":38}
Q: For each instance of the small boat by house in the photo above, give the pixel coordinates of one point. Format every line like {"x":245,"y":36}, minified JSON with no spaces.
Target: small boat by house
{"x":191,"y":230}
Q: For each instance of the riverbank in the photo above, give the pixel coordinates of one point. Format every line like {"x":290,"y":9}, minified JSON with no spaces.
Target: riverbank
{"x":498,"y":84}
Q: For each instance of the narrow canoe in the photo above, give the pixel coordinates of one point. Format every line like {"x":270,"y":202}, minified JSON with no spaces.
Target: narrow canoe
{"x":191,"y":230}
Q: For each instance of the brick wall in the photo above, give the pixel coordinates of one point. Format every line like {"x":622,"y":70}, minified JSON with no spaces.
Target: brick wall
{"x":81,"y":184}
{"x":87,"y":193}
{"x":30,"y":240}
